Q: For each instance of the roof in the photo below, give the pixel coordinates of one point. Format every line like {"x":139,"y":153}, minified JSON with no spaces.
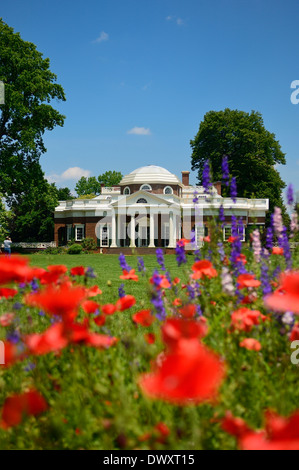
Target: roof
{"x":150,"y":174}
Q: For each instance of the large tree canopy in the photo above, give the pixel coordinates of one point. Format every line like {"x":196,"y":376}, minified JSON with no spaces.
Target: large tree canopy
{"x":92,"y":185}
{"x":27,"y":113}
{"x":252,"y":152}
{"x":29,"y":88}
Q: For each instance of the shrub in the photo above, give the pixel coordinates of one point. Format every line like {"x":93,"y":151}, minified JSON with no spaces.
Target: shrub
{"x":89,"y":244}
{"x":75,"y":249}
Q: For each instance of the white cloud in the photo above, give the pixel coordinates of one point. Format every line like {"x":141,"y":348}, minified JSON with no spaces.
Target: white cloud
{"x":139,"y":131}
{"x":179,"y":21}
{"x":73,"y":173}
{"x":102,"y":37}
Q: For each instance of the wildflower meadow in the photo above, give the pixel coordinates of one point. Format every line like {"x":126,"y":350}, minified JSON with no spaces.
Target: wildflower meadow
{"x":190,"y":351}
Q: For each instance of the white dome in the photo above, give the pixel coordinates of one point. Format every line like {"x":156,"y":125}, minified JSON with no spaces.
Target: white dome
{"x":150,"y":174}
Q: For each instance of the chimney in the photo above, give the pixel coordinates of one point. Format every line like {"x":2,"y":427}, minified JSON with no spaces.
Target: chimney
{"x":217,"y":185}
{"x":185,"y":178}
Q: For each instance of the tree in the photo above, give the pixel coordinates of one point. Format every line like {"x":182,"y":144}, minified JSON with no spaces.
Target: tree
{"x":110,"y":178}
{"x":32,"y":212}
{"x":26,"y":114}
{"x":252,"y":152}
{"x":92,"y":185}
{"x":87,"y":186}
{"x":24,"y":117}
{"x":63,"y":194}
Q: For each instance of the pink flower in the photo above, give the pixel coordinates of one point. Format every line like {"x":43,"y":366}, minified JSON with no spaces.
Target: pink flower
{"x":6,"y":319}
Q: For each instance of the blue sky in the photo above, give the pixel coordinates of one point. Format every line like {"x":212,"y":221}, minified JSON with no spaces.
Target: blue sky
{"x":139,"y":76}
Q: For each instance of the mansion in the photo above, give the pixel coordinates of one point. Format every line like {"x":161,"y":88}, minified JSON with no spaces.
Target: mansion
{"x":150,"y":208}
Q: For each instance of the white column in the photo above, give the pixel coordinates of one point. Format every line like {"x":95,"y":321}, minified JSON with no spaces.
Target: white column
{"x":171,"y":241}
{"x":118,"y":230}
{"x":152,"y":230}
{"x":132,"y":232}
{"x":113,"y":231}
{"x":174,"y":230}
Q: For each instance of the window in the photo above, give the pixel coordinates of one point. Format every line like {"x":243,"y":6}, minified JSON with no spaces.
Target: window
{"x":199,"y":234}
{"x":227,"y":231}
{"x":79,"y":232}
{"x":104,"y":234}
{"x":142,"y":201}
{"x":145,"y":187}
{"x":168,"y":190}
{"x":127,"y":191}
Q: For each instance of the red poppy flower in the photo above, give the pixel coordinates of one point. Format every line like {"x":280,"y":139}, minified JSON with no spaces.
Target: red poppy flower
{"x":207,"y":239}
{"x":15,"y":269}
{"x":244,"y":318}
{"x":280,"y":433}
{"x":188,"y":311}
{"x":28,"y":403}
{"x":164,"y":282}
{"x":295,"y":332}
{"x":89,"y":306}
{"x":190,"y":373}
{"x":183,"y":242}
{"x":100,"y":320}
{"x":125,"y":302}
{"x":100,"y":341}
{"x":58,"y":269}
{"x":93,"y":291}
{"x":286,"y":297}
{"x":175,"y":329}
{"x":251,"y":344}
{"x":150,"y":338}
{"x":232,"y":239}
{"x":129,"y":275}
{"x":108,"y":309}
{"x":277,"y":250}
{"x":62,"y":300}
{"x":235,"y":426}
{"x":12,"y":354}
{"x":7,"y":292}
{"x":247,"y":280}
{"x":51,"y":340}
{"x":203,"y":268}
{"x":78,"y":271}
{"x":242,"y":258}
{"x":176,"y":281}
{"x":143,"y":317}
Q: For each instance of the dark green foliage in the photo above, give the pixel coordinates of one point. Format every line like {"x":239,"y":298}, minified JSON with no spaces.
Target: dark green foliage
{"x":110,"y":178}
{"x":75,"y":249}
{"x":252,"y":153}
{"x":27,"y":114}
{"x":89,"y":244}
{"x":30,"y":87}
{"x":92,"y":185}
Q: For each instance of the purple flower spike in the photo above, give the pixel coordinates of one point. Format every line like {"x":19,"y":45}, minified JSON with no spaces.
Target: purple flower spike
{"x":225,"y":170}
{"x":206,"y":177}
{"x":290,"y":195}
{"x":233,"y":189}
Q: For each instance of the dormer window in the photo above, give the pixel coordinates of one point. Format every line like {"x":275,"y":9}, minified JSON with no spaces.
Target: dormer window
{"x":142,"y":201}
{"x":145,"y":187}
{"x":127,"y":190}
{"x":168,"y":190}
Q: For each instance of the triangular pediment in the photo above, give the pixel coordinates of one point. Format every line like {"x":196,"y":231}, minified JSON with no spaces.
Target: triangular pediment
{"x":151,"y":199}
